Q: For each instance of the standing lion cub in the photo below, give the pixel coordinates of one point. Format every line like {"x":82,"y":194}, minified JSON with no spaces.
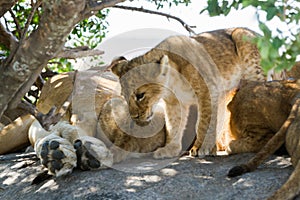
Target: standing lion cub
{"x":184,"y":71}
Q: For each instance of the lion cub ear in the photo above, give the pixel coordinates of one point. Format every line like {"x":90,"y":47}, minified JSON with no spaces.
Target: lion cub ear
{"x":117,"y":64}
{"x":162,"y":73}
{"x":164,"y":63}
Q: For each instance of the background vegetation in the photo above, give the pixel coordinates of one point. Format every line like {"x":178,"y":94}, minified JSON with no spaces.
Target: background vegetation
{"x":38,"y":37}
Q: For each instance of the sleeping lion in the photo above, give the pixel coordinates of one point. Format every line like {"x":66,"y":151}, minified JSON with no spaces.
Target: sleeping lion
{"x":258,"y":112}
{"x":96,"y":131}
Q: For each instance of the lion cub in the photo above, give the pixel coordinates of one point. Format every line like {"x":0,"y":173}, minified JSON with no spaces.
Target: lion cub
{"x":183,"y":71}
{"x":264,"y":117}
{"x":95,"y":132}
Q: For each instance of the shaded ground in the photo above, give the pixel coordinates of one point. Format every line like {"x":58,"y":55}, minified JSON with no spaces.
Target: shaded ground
{"x":184,"y":178}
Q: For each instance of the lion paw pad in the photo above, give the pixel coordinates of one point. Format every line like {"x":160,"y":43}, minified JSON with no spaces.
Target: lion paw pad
{"x":51,"y":156}
{"x":85,"y":159}
{"x":57,"y":155}
{"x":92,"y":153}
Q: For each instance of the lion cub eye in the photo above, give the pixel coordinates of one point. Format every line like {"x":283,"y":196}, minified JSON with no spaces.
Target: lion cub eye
{"x":140,"y":96}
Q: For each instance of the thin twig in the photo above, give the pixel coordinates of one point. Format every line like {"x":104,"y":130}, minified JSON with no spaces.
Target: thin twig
{"x":141,"y":9}
{"x":94,"y":6}
{"x":6,"y":23}
{"x":18,"y":27}
{"x":34,"y":8}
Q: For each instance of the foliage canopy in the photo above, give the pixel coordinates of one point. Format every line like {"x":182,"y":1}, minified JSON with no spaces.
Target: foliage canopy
{"x":279,"y":48}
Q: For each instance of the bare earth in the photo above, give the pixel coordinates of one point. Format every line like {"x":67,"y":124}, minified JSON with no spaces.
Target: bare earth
{"x":184,"y":178}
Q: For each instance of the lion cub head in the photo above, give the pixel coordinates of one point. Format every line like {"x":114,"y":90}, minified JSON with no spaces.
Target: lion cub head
{"x":142,"y":81}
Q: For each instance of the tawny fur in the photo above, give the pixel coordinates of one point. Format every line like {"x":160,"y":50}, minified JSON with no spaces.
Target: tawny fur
{"x":106,"y":123}
{"x":96,"y":115}
{"x":257,"y":112}
{"x":264,"y":117}
{"x":223,"y":58}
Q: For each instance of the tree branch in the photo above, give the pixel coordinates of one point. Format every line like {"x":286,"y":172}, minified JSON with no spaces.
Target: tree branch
{"x":7,"y":39}
{"x":16,"y":21}
{"x":5,"y":6}
{"x":94,"y":5}
{"x":34,"y":8}
{"x":185,"y":25}
{"x":78,"y":52}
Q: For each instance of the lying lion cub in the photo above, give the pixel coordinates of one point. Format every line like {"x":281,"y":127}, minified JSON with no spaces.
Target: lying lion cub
{"x":260,"y":110}
{"x":96,"y":131}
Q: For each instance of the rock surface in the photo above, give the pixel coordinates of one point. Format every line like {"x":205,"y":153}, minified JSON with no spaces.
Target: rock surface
{"x":183,"y":178}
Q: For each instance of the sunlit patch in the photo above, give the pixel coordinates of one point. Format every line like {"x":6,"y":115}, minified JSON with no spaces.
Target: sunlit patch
{"x":282,"y":163}
{"x":55,"y":78}
{"x":58,"y":85}
{"x":185,"y":158}
{"x":49,"y":185}
{"x":203,"y":177}
{"x":152,"y":178}
{"x":169,"y":172}
{"x":12,"y":178}
{"x":134,"y":181}
{"x":93,"y":189}
{"x":175,"y":163}
{"x":146,"y":166}
{"x":222,"y":153}
{"x":138,"y":181}
{"x":131,"y":190}
{"x":203,"y":161}
{"x":243,"y":182}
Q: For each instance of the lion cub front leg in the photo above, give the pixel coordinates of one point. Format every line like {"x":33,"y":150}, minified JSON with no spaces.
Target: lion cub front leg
{"x":176,"y":119}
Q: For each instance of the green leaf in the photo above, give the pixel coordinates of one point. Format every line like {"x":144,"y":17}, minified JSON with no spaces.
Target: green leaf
{"x":267,"y":32}
{"x":273,"y":53}
{"x":277,"y":42}
{"x":264,"y":51}
{"x":271,"y":12}
{"x":213,"y":8}
{"x":247,"y":3}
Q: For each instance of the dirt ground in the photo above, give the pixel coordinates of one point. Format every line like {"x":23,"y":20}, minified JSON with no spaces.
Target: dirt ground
{"x":183,"y":178}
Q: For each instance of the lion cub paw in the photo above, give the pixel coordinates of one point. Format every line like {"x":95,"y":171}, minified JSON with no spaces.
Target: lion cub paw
{"x":169,"y":151}
{"x":92,"y":153}
{"x":207,"y":150}
{"x":56,"y":154}
{"x":203,"y":151}
{"x":194,"y":151}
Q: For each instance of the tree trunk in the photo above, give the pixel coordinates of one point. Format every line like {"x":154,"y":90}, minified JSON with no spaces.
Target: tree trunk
{"x":29,"y":55}
{"x":27,"y":60}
